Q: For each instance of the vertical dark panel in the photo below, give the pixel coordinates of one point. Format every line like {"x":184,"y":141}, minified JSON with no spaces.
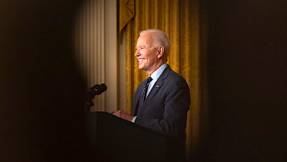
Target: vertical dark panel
{"x":247,"y":80}
{"x":42,"y":115}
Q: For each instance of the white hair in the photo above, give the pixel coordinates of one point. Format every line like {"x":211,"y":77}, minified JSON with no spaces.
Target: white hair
{"x":159,"y":37}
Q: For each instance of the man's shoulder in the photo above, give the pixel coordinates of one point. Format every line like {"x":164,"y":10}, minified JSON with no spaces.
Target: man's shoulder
{"x":174,"y":76}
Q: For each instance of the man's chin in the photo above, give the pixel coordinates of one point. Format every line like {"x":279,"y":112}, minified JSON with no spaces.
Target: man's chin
{"x":141,"y":67}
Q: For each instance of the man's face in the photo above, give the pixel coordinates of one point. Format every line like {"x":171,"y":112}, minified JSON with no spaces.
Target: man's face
{"x":146,"y":53}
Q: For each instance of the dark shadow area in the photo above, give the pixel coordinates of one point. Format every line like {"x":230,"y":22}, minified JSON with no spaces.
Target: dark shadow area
{"x":247,"y":83}
{"x":42,"y":115}
{"x":41,"y":97}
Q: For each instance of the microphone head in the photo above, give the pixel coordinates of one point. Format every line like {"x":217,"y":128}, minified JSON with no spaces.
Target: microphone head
{"x":103,"y":87}
{"x":98,"y":89}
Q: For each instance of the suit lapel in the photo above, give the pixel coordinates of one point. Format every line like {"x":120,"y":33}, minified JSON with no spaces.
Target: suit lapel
{"x":158,"y":84}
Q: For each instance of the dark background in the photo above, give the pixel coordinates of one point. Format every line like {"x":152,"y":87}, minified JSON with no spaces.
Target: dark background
{"x":247,"y":83}
{"x":41,"y":91}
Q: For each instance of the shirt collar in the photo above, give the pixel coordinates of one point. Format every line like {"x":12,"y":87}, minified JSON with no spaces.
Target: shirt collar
{"x":156,"y":74}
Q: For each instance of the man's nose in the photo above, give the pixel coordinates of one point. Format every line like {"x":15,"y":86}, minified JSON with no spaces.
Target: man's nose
{"x":137,"y":53}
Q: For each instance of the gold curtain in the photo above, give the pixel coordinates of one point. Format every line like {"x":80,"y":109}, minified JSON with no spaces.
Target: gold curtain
{"x":180,"y":20}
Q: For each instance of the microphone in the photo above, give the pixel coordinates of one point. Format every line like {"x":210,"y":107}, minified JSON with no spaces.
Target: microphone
{"x":94,"y":90}
{"x":97,"y":89}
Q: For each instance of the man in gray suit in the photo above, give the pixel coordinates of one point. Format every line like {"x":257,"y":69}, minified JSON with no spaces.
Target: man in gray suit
{"x":162,"y":100}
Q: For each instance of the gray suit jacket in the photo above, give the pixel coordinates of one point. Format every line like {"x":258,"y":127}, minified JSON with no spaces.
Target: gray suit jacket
{"x":165,"y":108}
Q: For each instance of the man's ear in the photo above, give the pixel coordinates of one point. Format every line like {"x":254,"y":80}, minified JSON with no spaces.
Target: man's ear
{"x":160,"y":53}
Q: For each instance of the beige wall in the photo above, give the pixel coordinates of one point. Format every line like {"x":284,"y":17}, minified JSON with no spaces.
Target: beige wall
{"x":96,"y":43}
